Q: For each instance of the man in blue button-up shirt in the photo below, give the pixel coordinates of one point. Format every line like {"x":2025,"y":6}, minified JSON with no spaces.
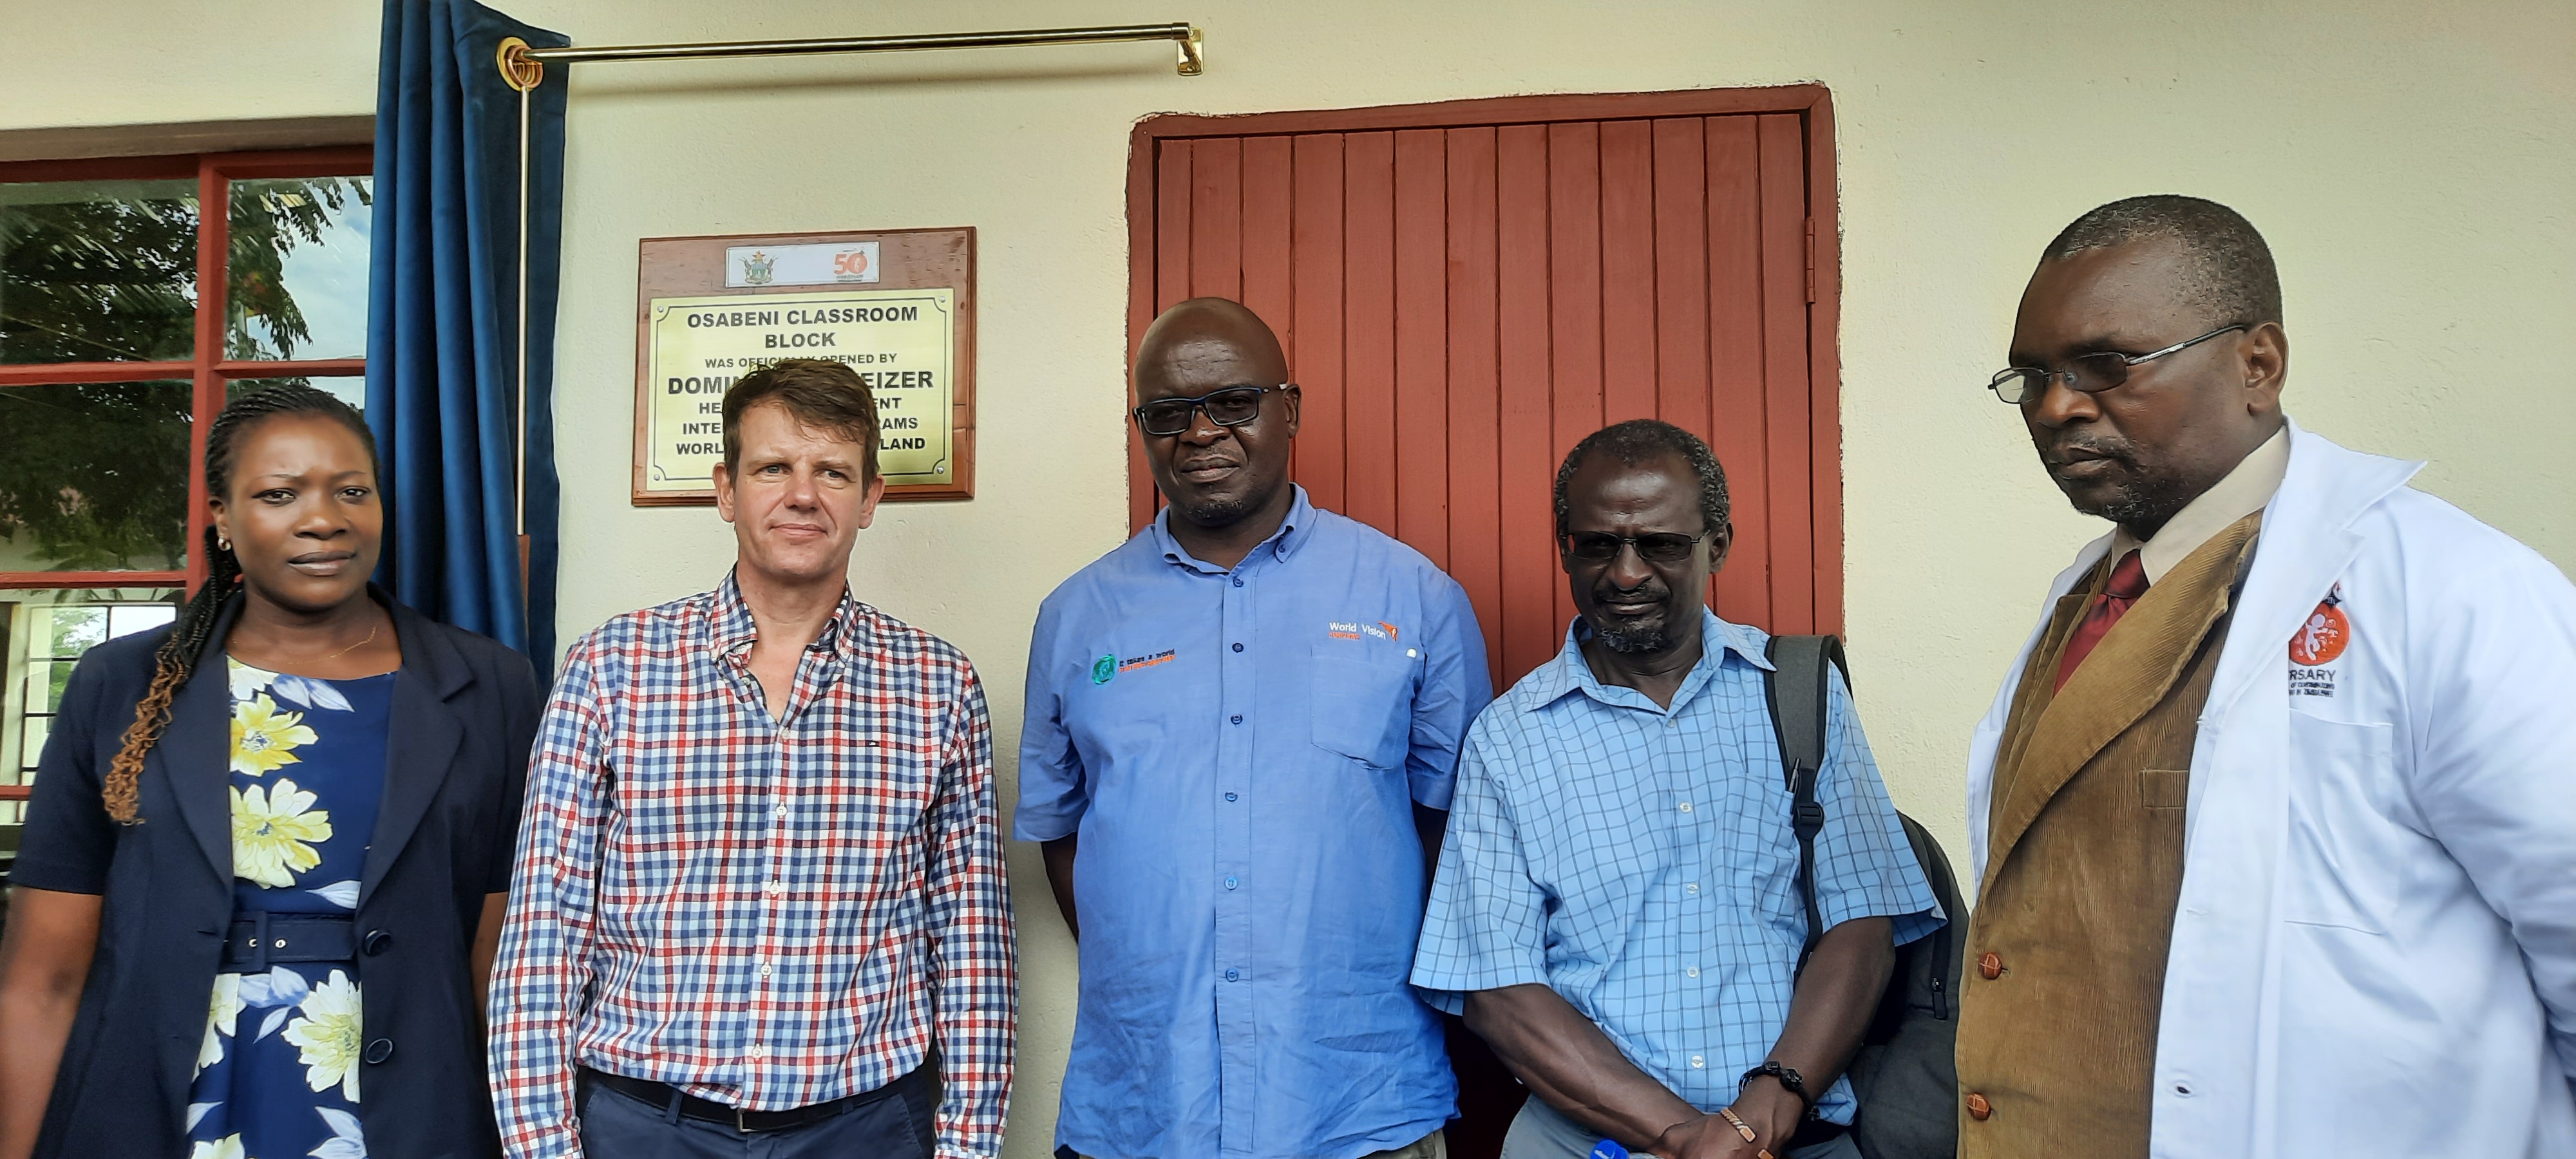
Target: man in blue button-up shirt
{"x":1617,"y":910}
{"x":1242,"y":726}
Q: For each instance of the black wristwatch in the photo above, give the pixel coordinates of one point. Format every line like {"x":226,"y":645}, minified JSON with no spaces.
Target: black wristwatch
{"x":1789,"y":1077}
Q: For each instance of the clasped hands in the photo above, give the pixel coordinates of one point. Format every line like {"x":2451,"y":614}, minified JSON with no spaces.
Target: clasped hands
{"x":1765,"y":1106}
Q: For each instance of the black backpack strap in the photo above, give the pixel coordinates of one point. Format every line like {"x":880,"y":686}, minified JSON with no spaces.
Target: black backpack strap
{"x":1797,"y":686}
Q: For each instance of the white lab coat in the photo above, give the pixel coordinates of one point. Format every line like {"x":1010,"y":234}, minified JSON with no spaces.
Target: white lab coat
{"x":2374,"y":952}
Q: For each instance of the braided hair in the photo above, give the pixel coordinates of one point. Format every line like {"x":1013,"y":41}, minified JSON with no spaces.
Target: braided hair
{"x":177,"y":660}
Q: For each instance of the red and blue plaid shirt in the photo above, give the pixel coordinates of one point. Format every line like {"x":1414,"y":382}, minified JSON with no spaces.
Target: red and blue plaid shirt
{"x":766,"y":913}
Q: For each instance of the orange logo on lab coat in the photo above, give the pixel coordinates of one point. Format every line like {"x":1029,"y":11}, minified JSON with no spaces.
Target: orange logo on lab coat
{"x":2323,"y":636}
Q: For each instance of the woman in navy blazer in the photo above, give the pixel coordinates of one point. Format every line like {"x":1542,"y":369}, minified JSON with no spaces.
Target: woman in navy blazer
{"x":131,"y":876}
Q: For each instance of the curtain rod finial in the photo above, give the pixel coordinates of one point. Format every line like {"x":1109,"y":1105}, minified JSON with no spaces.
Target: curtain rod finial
{"x":1193,"y":53}
{"x":519,"y":70}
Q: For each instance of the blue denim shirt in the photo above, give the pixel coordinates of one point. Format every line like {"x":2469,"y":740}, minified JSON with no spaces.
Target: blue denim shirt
{"x":1240,"y":752}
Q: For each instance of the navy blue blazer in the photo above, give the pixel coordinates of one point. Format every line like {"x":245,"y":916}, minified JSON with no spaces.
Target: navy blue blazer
{"x":464,"y":716}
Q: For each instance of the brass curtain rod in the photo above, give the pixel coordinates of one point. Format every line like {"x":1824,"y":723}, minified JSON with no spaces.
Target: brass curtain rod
{"x":523,"y":66}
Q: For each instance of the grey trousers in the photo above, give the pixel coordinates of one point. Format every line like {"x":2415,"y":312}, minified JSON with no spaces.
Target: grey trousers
{"x":616,"y":1125}
{"x":1538,"y":1132}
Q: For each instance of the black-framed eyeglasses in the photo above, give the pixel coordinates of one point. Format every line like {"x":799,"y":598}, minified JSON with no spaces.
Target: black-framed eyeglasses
{"x":1232,"y":407}
{"x":1653,"y":547}
{"x":2090,"y":373}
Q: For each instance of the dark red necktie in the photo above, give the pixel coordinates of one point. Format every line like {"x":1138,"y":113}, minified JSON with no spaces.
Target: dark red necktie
{"x":2128,"y":582}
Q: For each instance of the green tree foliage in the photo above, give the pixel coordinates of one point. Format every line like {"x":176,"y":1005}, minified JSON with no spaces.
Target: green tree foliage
{"x":96,"y":475}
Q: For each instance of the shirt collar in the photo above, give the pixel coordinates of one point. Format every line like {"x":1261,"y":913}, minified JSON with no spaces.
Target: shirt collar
{"x":731,"y":627}
{"x":1282,"y":543}
{"x":2245,"y":490}
{"x":1569,"y":673}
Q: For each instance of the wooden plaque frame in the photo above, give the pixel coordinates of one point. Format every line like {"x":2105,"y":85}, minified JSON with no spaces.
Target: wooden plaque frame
{"x":910,"y":259}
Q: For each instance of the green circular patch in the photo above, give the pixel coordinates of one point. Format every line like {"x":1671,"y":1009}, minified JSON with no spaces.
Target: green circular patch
{"x":1104,"y":668}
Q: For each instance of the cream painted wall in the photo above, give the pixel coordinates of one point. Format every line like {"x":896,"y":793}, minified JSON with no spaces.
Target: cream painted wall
{"x":2414,"y":167}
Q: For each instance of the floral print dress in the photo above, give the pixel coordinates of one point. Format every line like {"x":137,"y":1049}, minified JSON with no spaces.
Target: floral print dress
{"x":277,"y":1076}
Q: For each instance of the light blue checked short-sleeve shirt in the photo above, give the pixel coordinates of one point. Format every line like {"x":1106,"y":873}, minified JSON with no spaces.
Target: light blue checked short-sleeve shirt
{"x":1640,"y":861}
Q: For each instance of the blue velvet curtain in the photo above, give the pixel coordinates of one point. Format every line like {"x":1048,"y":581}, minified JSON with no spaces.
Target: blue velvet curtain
{"x":442,"y":347}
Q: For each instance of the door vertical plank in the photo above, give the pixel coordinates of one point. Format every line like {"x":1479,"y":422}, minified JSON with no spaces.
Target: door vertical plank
{"x":1525,"y":447}
{"x":1316,"y":283}
{"x":1681,"y":278}
{"x":1574,"y":283}
{"x":1784,"y":371}
{"x":1422,"y":343}
{"x":1368,"y":320}
{"x":1628,"y":255}
{"x":1475,"y":502}
{"x":1736,"y":419}
{"x":1681,"y":274}
{"x":1172,"y":225}
{"x":1824,"y":363}
{"x":1216,"y":218}
{"x":1144,"y":153}
{"x":1267,"y":287}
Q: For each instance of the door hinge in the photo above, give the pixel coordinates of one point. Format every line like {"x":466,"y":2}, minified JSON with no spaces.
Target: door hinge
{"x":1811,"y":261}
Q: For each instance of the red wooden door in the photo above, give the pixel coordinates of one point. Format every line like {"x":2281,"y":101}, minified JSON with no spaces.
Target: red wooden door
{"x":1467,"y":289}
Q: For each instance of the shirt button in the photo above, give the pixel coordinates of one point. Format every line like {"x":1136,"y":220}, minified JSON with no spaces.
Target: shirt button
{"x":1229,"y":796}
{"x":782,"y":812}
{"x":1691,"y":889}
{"x":1238,"y":720}
{"x":775,"y":889}
{"x":1990,"y":965}
{"x":1229,"y":881}
{"x":1692,"y":972}
{"x":1978,"y":1107}
{"x":1686,"y":806}
{"x":764,"y":969}
{"x":1238,"y":646}
{"x":1698,"y":1063}
{"x":758,"y":1052}
{"x":1233,"y":975}
{"x":1238,"y":581}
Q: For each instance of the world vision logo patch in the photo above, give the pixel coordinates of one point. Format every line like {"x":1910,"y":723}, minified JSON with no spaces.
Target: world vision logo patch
{"x":1104,"y":669}
{"x":2318,"y":643}
{"x":1354,"y":629}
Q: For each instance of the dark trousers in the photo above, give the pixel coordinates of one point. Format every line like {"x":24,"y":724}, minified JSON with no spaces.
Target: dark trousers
{"x":616,"y":1125}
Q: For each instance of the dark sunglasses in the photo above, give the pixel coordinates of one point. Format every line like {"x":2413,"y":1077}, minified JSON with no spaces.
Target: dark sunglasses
{"x":1653,"y":547}
{"x":1232,"y":407}
{"x":2090,"y":373}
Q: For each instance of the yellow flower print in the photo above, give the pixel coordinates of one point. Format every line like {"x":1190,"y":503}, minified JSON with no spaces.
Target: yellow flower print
{"x":221,"y":1015}
{"x":328,"y":1036}
{"x":264,"y":739}
{"x":228,"y":1147}
{"x":274,"y":834}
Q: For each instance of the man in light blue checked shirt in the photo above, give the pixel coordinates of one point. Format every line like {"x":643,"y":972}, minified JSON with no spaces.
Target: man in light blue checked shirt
{"x":1617,"y":907}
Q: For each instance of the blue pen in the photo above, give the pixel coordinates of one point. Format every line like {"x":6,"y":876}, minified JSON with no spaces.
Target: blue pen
{"x":1609,"y":1149}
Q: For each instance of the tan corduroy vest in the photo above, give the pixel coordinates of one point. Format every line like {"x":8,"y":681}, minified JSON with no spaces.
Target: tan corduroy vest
{"x":2075,"y":914}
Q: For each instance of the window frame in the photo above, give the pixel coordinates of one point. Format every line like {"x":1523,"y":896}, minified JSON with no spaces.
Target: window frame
{"x":206,"y":369}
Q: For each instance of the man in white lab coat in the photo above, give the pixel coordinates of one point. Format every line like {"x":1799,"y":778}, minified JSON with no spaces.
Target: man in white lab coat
{"x":2274,"y":820}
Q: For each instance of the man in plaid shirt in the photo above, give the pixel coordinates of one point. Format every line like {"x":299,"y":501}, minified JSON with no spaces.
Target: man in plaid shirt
{"x":760,"y":906}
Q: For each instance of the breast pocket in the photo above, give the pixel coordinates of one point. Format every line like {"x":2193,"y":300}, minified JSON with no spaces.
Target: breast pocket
{"x":2345,"y":846}
{"x":1362,"y":702}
